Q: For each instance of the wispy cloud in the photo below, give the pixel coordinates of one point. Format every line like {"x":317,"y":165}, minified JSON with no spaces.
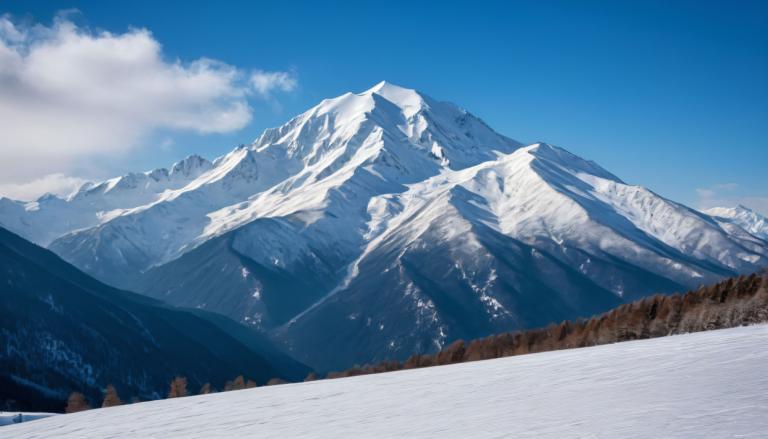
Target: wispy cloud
{"x":57,"y":184}
{"x":266,"y":82}
{"x":69,"y":94}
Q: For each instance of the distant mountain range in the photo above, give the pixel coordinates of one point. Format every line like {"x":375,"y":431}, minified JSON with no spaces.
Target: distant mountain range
{"x":384,"y":223}
{"x":63,"y":331}
{"x":743,"y":217}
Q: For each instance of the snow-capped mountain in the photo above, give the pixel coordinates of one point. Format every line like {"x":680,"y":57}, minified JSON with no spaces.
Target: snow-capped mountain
{"x":743,"y":217}
{"x":317,"y":172}
{"x":536,"y":236}
{"x":389,"y":223}
{"x":50,"y":217}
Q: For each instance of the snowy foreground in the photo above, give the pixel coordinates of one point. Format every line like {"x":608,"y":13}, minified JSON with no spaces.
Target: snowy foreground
{"x":711,"y":384}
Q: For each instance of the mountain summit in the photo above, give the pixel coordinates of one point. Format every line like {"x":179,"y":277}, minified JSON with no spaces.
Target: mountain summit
{"x":387,"y":222}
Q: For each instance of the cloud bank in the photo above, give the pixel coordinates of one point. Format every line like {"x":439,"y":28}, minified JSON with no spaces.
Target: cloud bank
{"x":69,"y":93}
{"x":57,"y":184}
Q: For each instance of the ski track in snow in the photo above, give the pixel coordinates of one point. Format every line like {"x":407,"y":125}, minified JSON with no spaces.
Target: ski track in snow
{"x":710,"y":384}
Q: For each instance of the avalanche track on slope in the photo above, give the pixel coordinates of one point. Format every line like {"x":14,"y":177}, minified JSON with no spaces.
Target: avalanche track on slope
{"x":709,"y":384}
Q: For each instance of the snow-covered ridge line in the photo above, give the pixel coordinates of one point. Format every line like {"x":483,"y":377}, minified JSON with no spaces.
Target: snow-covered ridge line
{"x":405,"y":221}
{"x":708,"y":384}
{"x":742,"y":216}
{"x":50,"y":216}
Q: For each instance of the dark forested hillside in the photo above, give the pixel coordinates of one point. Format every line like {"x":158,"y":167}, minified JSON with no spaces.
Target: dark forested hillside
{"x":63,"y":331}
{"x":734,"y":302}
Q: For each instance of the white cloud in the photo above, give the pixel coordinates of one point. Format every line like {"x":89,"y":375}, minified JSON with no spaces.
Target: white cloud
{"x":265,"y":82}
{"x":57,"y":184}
{"x":69,"y":94}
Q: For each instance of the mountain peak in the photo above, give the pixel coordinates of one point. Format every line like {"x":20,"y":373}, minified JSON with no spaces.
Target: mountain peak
{"x":744,"y":217}
{"x":384,"y":88}
{"x":408,"y":100}
{"x":192,"y":165}
{"x":351,"y":106}
{"x":731,"y":211}
{"x":468,"y":231}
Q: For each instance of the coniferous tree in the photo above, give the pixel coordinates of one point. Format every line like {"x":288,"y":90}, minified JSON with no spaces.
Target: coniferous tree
{"x":206,"y":389}
{"x":178,"y":388}
{"x":111,"y":397}
{"x":276,"y":381}
{"x":237,"y":384}
{"x":77,"y":403}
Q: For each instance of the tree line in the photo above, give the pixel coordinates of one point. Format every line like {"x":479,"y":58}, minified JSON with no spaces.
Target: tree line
{"x":78,"y":402}
{"x":734,"y":302}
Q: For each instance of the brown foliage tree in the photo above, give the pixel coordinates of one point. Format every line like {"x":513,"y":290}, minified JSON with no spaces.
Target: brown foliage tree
{"x":276,"y":381}
{"x":178,"y":388}
{"x":733,"y":302}
{"x":206,"y":389}
{"x":111,"y":397}
{"x":454,"y":353}
{"x":76,"y":403}
{"x":237,"y":384}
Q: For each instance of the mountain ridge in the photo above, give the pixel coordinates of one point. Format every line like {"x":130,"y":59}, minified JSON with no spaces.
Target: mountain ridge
{"x":743,"y":217}
{"x":388,"y":210}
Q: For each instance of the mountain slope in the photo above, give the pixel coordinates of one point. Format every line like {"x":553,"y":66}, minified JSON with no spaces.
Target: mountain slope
{"x":328,"y":161}
{"x":743,"y":217}
{"x":708,"y":384}
{"x":50,"y":217}
{"x":391,"y":223}
{"x":64,"y":331}
{"x":536,"y":236}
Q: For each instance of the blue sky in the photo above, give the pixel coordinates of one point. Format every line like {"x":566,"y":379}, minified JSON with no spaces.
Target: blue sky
{"x":669,"y":95}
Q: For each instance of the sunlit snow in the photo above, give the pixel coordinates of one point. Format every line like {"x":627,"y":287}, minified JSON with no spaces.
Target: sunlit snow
{"x":703,"y":385}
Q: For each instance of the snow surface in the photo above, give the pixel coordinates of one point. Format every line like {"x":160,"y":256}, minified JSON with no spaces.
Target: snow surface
{"x":710,"y":384}
{"x":10,"y":418}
